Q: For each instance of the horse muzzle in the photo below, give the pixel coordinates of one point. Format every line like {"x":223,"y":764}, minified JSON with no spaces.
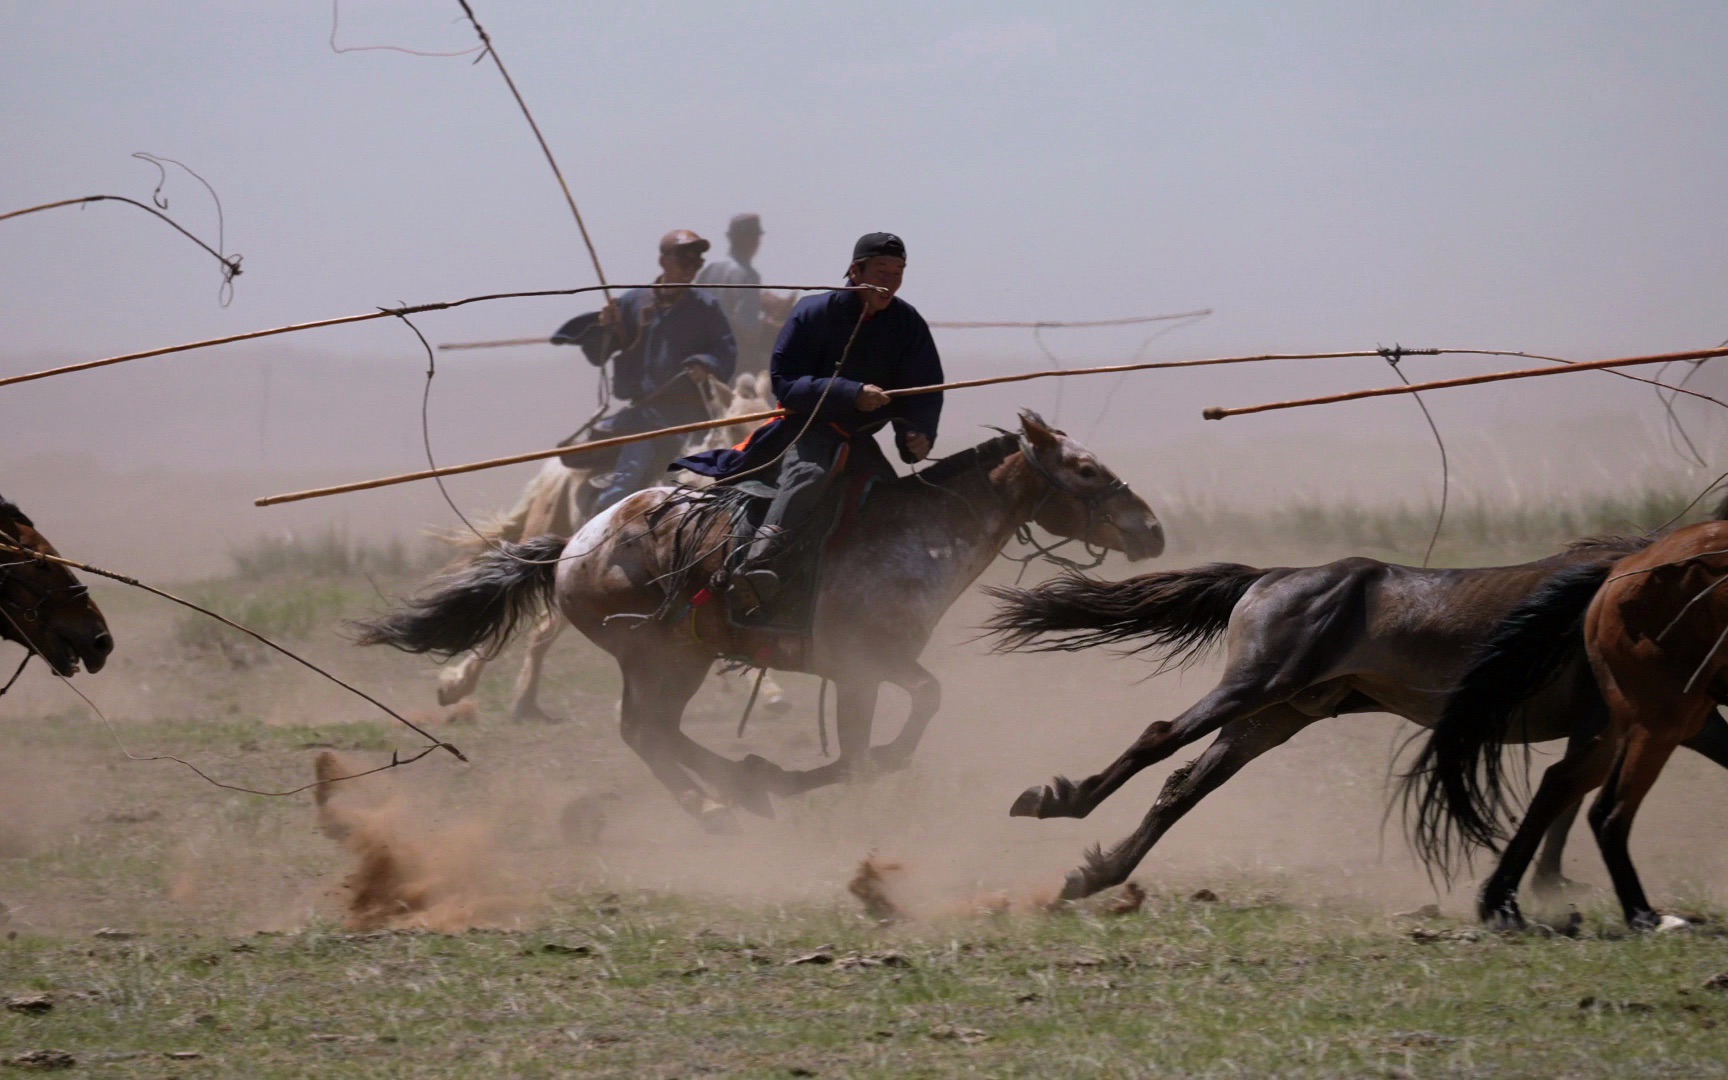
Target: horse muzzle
{"x":1144,"y":540}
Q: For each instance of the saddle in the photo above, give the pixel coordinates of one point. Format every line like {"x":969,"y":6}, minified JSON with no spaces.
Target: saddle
{"x":778,"y":633}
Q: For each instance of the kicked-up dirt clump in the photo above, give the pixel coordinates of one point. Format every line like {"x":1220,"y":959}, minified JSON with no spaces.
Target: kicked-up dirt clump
{"x":411,"y":876}
{"x":873,"y":884}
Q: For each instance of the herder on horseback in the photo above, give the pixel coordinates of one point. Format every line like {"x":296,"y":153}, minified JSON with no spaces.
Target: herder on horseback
{"x":663,"y":343}
{"x":637,"y":578}
{"x":836,"y":357}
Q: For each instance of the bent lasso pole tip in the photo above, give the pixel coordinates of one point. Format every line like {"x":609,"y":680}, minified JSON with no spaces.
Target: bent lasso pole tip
{"x":381,"y":313}
{"x":1219,"y":412}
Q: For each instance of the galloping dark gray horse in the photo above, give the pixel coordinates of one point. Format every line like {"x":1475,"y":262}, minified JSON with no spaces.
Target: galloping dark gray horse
{"x":1352,"y":636}
{"x":887,"y":578}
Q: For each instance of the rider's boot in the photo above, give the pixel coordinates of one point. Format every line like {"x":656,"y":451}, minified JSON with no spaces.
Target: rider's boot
{"x":753,"y":584}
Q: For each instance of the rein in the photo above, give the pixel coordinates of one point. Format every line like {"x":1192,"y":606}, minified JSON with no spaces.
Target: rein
{"x":1048,"y":552}
{"x":28,"y":653}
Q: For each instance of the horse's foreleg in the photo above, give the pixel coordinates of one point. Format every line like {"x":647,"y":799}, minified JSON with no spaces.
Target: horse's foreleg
{"x":1547,"y":880}
{"x":1563,"y":785}
{"x":926,"y":694}
{"x":1062,"y":797}
{"x":458,"y":678}
{"x":527,"y":703}
{"x":1240,"y":742}
{"x":854,"y":717}
{"x":1635,"y":770}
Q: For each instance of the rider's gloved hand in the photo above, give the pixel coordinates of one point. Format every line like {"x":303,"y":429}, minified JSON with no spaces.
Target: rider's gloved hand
{"x":917,"y":445}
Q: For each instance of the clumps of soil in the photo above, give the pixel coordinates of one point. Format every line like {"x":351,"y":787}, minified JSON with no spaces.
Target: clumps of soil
{"x":873,"y":883}
{"x":1130,"y":900}
{"x":884,"y":887}
{"x":409,"y":875}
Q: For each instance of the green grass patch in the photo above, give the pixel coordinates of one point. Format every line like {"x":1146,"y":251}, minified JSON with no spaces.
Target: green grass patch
{"x":652,"y":986}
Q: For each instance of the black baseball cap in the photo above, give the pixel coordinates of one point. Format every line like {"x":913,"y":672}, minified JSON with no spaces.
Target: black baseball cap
{"x":878,"y":243}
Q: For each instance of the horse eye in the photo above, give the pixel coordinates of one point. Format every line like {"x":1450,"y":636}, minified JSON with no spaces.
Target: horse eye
{"x":1086,"y":471}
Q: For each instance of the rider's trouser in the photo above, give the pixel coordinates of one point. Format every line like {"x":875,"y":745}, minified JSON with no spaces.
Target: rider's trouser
{"x":804,"y":474}
{"x":640,"y":464}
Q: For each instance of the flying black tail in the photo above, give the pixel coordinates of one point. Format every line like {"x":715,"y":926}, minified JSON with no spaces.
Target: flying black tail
{"x":477,"y":605}
{"x":1458,"y":788}
{"x":1178,"y":613}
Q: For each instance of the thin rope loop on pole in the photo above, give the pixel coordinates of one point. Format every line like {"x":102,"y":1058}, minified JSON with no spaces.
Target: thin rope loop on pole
{"x":230,"y":263}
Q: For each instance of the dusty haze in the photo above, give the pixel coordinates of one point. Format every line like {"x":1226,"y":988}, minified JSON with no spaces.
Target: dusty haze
{"x":1338,"y":177}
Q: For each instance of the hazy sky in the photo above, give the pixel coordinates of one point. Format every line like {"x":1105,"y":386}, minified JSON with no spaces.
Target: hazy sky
{"x":1545,"y":176}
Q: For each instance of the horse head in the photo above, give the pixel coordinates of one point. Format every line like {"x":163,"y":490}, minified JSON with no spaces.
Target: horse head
{"x":43,"y":607}
{"x":1082,"y":499}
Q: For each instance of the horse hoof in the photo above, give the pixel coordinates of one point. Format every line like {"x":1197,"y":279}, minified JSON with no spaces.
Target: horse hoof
{"x":451,"y":689}
{"x":1029,"y":803}
{"x":715,"y":818}
{"x":1668,"y":924}
{"x":1076,"y":886}
{"x":1506,"y":920}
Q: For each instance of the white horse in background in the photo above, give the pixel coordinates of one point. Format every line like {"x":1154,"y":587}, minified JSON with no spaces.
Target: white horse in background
{"x":552,"y":504}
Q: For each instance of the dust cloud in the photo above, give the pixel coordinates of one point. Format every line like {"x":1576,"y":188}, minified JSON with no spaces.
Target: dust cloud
{"x":550,"y":812}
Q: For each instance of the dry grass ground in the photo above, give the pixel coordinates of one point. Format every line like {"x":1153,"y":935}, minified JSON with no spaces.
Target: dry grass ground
{"x":585,"y":927}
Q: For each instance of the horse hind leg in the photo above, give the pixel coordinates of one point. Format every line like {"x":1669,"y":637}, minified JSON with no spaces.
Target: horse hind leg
{"x":650,"y":711}
{"x":526,"y":705}
{"x":1240,"y":742}
{"x":1230,"y":701}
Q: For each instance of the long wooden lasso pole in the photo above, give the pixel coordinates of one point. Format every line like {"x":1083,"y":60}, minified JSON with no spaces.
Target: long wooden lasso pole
{"x":381,"y":313}
{"x":761,"y":417}
{"x":1219,"y":412}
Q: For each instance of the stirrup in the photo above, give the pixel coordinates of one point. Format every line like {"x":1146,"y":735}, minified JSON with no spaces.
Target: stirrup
{"x":751,"y":589}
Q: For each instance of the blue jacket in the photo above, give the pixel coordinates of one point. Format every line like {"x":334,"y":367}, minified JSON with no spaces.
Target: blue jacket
{"x":663,"y":339}
{"x":893,"y":350}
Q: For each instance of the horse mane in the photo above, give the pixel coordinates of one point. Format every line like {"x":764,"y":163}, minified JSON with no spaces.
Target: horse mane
{"x":1614,"y":543}
{"x":9,"y":511}
{"x":986,"y":454}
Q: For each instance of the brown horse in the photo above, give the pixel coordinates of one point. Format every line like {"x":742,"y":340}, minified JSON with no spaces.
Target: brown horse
{"x":634,"y":577}
{"x":1653,"y":627}
{"x":43,"y":607}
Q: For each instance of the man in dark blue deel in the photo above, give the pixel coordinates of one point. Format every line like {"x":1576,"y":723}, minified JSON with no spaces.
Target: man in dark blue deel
{"x":835,"y":409}
{"x":661,"y":341}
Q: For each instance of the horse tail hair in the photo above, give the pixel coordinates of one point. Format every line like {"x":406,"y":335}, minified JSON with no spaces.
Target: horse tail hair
{"x":1458,"y":788}
{"x":1178,"y":612}
{"x":477,"y":604}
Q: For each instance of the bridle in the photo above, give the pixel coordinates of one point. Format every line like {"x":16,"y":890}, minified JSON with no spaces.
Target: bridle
{"x":1092,"y":501}
{"x":38,"y":598}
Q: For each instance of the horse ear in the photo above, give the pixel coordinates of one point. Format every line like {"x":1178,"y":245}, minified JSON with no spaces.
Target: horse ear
{"x":1041,"y":435}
